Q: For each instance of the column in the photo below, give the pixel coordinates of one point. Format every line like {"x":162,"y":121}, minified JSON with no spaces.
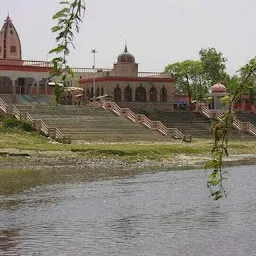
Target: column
{"x":158,"y":88}
{"x":46,"y":87}
{"x":147,"y":94}
{"x":133,"y":92}
{"x":26,"y":86}
{"x":36,"y":81}
{"x":13,"y":86}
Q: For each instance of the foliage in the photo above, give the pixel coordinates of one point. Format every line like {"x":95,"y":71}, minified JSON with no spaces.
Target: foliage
{"x":11,"y":123}
{"x":194,"y":77}
{"x":189,"y":77}
{"x":68,"y":21}
{"x":57,"y":93}
{"x":251,"y":95}
{"x":214,"y":66}
{"x":221,"y":130}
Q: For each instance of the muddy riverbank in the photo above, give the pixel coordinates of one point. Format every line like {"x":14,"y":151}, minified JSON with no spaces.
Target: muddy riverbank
{"x":25,"y":159}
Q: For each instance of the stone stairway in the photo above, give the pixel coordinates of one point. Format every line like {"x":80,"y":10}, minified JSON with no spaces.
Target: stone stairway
{"x":24,"y":99}
{"x":189,"y":123}
{"x":91,"y":123}
{"x":247,"y":117}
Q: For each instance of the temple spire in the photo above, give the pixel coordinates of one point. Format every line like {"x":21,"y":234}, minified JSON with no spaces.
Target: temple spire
{"x":125,"y":48}
{"x":8,"y":17}
{"x":9,"y":41}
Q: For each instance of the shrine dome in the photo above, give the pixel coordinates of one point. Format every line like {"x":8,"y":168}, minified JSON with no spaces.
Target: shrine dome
{"x":218,"y":88}
{"x":126,"y":57}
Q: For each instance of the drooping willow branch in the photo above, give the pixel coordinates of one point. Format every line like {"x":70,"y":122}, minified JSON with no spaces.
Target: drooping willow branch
{"x":221,"y":130}
{"x":68,"y":23}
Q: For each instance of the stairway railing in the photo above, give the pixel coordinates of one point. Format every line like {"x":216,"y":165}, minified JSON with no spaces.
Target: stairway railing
{"x":251,"y":129}
{"x":141,"y":118}
{"x":3,"y":105}
{"x":41,"y":126}
{"x":16,"y":112}
{"x":237,"y":124}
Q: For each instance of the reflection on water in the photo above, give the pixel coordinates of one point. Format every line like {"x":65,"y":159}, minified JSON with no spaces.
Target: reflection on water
{"x":9,"y":238}
{"x":63,"y":212}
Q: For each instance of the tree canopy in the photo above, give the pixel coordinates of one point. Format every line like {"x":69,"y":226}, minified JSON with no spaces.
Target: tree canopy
{"x":189,"y":77}
{"x":214,"y":65}
{"x":195,"y":77}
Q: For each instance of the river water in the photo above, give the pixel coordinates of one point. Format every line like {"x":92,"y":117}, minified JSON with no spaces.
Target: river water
{"x":163,"y":213}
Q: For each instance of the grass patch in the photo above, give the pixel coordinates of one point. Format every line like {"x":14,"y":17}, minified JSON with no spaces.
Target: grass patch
{"x":20,"y":140}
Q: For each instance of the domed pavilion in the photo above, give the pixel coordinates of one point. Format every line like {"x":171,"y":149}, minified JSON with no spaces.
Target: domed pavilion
{"x":218,"y":91}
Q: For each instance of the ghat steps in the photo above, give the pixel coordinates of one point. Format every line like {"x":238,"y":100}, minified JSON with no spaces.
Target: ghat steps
{"x":188,"y":122}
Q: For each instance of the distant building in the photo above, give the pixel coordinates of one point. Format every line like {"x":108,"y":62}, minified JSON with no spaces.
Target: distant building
{"x":124,"y":82}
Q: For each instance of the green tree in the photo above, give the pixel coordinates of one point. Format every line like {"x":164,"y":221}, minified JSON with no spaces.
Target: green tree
{"x":68,"y":22}
{"x":189,"y":77}
{"x":214,"y":65}
{"x":221,"y":130}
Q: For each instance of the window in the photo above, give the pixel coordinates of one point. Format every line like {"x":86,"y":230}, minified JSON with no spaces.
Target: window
{"x":163,"y":94}
{"x":128,"y":93}
{"x":13,"y":49}
{"x":153,"y":94}
{"x":140,"y":94}
{"x":117,"y":93}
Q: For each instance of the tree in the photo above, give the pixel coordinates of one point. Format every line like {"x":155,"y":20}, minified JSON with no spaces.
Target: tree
{"x":214,"y":65}
{"x":68,"y":22}
{"x":188,"y":75}
{"x":221,"y":130}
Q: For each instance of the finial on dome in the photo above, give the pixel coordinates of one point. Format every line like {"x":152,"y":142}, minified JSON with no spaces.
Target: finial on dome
{"x":8,"y":17}
{"x":125,"y":48}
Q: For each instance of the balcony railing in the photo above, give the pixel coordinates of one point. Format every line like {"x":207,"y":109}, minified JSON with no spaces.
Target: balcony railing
{"x":90,"y":72}
{"x":30,"y":63}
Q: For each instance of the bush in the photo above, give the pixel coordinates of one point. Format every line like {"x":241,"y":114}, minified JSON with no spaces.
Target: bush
{"x":9,"y":123}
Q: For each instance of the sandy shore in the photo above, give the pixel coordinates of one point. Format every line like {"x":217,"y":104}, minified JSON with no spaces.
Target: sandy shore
{"x":17,"y":159}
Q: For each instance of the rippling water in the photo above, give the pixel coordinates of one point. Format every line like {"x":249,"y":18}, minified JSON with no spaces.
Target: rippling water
{"x":166,"y":213}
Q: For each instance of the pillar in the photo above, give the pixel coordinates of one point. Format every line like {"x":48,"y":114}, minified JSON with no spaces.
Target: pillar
{"x":147,"y":94}
{"x":26,"y":86}
{"x":13,"y":86}
{"x":158,"y":89}
{"x":36,"y":81}
{"x":46,"y":87}
{"x":133,"y":93}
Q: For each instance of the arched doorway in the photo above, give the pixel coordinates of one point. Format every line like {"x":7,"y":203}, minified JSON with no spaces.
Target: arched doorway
{"x":140,"y":94}
{"x":163,"y":94}
{"x":128,"y":93}
{"x":153,"y":94}
{"x":117,"y":93}
{"x":91,"y":93}
{"x":97,"y":92}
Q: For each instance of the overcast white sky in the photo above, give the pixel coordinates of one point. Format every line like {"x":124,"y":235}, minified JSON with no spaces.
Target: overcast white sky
{"x":157,"y":32}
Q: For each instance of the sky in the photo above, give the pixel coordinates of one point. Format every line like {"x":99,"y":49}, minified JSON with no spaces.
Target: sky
{"x":157,"y":32}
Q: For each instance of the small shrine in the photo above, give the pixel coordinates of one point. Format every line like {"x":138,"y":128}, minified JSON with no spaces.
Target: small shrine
{"x":218,"y":91}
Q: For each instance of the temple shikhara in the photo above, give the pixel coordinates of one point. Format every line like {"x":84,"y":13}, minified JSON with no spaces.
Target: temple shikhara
{"x":146,"y":98}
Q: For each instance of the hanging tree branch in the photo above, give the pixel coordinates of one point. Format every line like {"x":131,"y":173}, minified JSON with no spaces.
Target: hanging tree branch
{"x":221,"y":130}
{"x":68,"y":22}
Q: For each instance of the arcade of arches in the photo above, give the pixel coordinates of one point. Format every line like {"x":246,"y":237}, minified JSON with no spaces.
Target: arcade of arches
{"x":129,"y":93}
{"x":140,"y":94}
